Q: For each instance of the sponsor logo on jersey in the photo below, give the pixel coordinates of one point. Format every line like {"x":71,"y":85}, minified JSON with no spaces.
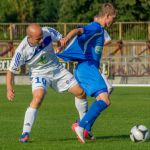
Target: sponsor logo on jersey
{"x":98,"y":49}
{"x":44,"y":59}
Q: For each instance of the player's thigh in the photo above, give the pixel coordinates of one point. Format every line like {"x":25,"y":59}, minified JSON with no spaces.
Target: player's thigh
{"x":90,"y":79}
{"x":63,"y":80}
{"x":39,"y":88}
{"x":39,"y":82}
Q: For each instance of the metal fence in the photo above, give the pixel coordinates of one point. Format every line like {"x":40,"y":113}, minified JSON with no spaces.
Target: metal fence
{"x":120,"y":30}
{"x":126,"y":62}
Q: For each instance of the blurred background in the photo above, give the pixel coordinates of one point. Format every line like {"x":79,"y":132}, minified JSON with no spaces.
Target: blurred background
{"x":126,"y":61}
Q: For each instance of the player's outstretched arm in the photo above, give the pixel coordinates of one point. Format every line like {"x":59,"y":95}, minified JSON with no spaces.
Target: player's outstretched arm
{"x":9,"y":84}
{"x":64,"y":41}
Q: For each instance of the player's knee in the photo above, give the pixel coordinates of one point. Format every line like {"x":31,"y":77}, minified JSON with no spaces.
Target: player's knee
{"x":81,"y":95}
{"x":77,"y":91}
{"x":104,"y":97}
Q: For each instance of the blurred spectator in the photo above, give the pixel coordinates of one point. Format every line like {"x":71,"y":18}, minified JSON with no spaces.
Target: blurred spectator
{"x":146,"y":66}
{"x":8,"y":51}
{"x":119,"y":47}
{"x":120,"y":67}
{"x":147,"y":48}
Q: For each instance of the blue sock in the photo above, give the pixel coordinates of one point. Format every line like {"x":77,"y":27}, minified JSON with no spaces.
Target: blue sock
{"x":90,"y":124}
{"x":95,"y":109}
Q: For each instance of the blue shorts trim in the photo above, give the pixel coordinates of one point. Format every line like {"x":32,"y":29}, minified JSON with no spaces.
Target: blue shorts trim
{"x":99,"y":92}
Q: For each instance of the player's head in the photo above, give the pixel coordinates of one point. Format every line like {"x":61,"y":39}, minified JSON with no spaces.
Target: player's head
{"x":120,"y":44}
{"x":107,"y":14}
{"x":35,"y":34}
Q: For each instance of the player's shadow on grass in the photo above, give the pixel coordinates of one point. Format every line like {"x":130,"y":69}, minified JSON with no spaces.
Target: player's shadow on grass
{"x":114,"y":137}
{"x":109,"y":138}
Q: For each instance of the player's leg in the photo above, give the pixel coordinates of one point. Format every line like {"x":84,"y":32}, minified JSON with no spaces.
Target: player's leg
{"x":101,"y":103}
{"x":110,"y":89}
{"x":65,"y":81}
{"x":94,"y":111}
{"x":109,"y":86}
{"x":93,"y":84}
{"x":39,"y":87}
{"x":81,"y":102}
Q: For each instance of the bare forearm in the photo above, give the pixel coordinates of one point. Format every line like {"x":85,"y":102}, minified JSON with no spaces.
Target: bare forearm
{"x":73,"y":33}
{"x":64,"y":41}
{"x":9,"y":83}
{"x":9,"y":79}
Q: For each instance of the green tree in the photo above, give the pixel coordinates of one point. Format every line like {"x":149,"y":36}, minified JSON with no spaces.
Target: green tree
{"x":133,"y":10}
{"x":16,"y":10}
{"x":47,"y":11}
{"x":84,"y":10}
{"x":75,"y":10}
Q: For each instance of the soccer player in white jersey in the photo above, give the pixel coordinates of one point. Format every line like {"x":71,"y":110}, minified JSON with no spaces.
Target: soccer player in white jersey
{"x":37,"y":52}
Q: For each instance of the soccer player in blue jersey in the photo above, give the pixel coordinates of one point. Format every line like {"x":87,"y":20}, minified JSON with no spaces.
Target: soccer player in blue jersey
{"x":86,"y":48}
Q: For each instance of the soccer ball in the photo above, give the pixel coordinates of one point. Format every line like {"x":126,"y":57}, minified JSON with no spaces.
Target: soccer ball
{"x":139,"y":133}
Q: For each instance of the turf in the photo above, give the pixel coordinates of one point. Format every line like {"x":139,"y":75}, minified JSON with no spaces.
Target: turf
{"x":129,"y":106}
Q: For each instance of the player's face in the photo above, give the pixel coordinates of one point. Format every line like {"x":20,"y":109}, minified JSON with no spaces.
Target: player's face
{"x":110,"y":20}
{"x":36,"y":39}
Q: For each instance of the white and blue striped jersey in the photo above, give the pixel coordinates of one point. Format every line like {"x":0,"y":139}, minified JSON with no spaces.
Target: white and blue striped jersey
{"x":40,"y":59}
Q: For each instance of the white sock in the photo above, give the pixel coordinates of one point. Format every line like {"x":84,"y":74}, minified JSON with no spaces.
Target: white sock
{"x":82,"y":106}
{"x":29,"y":119}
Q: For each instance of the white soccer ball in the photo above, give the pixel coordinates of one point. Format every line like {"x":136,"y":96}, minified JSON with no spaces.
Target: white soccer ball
{"x":139,"y":133}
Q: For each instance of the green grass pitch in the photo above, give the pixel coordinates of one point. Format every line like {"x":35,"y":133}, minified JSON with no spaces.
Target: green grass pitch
{"x":52,"y":129}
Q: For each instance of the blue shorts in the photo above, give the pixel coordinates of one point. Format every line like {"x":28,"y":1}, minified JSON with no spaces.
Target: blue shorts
{"x":89,"y":78}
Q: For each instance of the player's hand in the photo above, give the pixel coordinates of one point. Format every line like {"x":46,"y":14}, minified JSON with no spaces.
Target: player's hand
{"x":62,"y":44}
{"x":59,"y":49}
{"x":10,"y":94}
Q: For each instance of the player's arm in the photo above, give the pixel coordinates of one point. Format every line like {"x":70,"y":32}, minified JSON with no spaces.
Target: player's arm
{"x":9,"y":84}
{"x":64,"y":41}
{"x":16,"y":62}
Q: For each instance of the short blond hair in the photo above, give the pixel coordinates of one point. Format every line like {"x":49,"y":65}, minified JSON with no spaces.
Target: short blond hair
{"x":109,"y":9}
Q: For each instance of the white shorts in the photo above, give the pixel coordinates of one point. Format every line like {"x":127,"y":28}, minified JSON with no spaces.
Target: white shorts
{"x":60,"y":80}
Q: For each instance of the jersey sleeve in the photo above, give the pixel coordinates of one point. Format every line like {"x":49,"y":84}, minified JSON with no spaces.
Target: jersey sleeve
{"x":17,"y":60}
{"x":55,"y":35}
{"x":89,"y":31}
{"x":107,"y":38}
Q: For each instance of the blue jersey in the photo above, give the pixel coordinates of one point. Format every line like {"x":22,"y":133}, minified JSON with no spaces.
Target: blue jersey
{"x":87,"y":50}
{"x":85,"y":47}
